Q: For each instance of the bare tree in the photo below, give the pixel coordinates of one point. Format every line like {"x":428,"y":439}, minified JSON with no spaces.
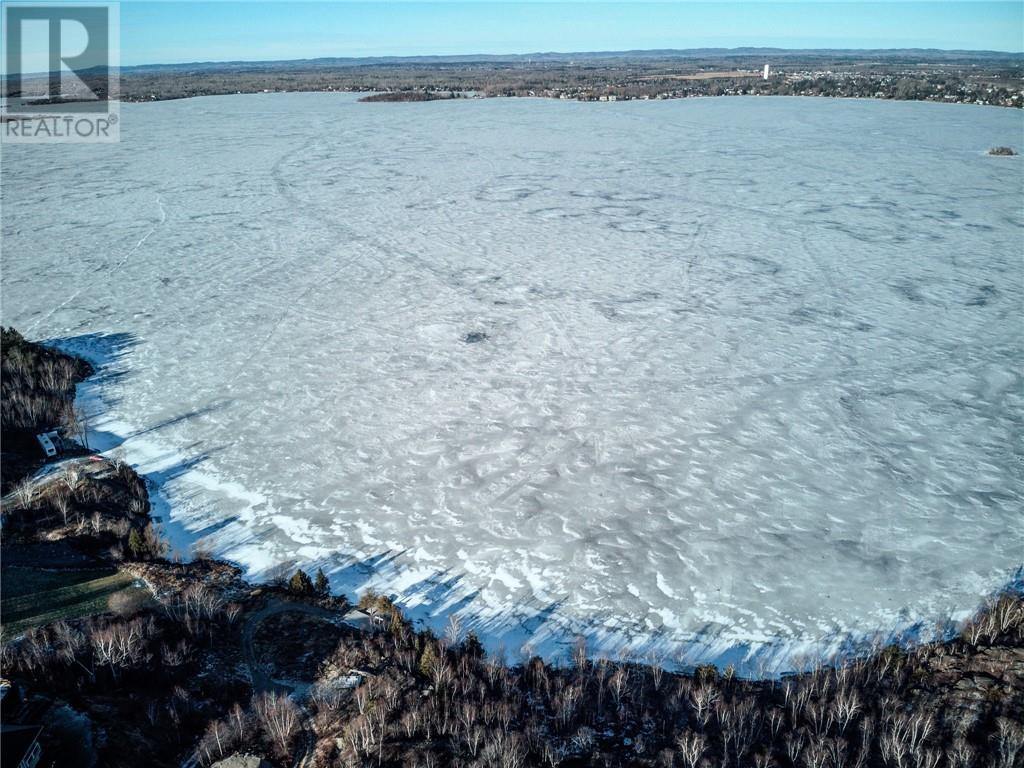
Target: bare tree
{"x":794,"y":745}
{"x":71,"y":477}
{"x":845,"y":705}
{"x":579,"y":654}
{"x":656,"y":661}
{"x":816,"y":715}
{"x":692,"y":747}
{"x":358,"y":735}
{"x":1009,"y":738}
{"x":474,"y":739}
{"x":199,"y":601}
{"x":362,"y":698}
{"x":961,"y":755}
{"x":453,"y":630}
{"x":441,"y":672}
{"x":218,"y":741}
{"x":26,"y":492}
{"x":815,"y":755}
{"x":566,"y":702}
{"x":895,"y":750}
{"x":278,"y":715}
{"x":76,"y":425}
{"x":62,"y":503}
{"x":703,"y":698}
{"x":410,"y":723}
{"x":617,"y":684}
{"x":837,"y":750}
{"x":153,"y":541}
{"x":776,"y":717}
{"x":121,"y":644}
{"x":505,"y":750}
{"x":378,"y":719}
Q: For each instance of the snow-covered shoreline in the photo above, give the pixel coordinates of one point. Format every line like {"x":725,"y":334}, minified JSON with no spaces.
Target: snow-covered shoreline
{"x":513,"y":634}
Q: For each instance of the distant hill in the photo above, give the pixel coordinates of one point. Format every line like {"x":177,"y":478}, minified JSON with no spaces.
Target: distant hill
{"x":540,"y":58}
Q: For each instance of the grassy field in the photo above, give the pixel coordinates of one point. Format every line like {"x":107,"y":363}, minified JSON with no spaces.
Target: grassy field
{"x":31,"y":596}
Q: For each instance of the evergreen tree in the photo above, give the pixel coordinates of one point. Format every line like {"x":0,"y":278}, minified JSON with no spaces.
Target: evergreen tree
{"x":136,"y":546}
{"x":300,"y":583}
{"x":472,"y":646}
{"x":320,"y":586}
{"x":427,"y":660}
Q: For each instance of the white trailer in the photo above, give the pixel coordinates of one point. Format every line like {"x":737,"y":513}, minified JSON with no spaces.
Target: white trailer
{"x":46,"y":441}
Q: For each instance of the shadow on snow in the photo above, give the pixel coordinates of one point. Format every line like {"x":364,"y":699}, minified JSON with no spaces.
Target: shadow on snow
{"x":513,"y":633}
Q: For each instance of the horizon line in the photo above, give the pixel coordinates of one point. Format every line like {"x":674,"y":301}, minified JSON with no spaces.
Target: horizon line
{"x":746,"y":50}
{"x":754,"y":50}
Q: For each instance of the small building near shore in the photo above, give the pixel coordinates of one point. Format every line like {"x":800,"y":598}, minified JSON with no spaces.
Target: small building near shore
{"x":51,"y":442}
{"x":360,"y":620}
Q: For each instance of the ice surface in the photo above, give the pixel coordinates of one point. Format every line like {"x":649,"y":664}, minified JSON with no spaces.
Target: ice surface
{"x":745,"y":373}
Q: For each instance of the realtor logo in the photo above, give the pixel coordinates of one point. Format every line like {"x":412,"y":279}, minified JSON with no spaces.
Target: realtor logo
{"x":60,"y":73}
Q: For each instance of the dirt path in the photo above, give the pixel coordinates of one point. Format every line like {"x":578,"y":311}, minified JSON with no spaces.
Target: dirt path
{"x":262,"y":681}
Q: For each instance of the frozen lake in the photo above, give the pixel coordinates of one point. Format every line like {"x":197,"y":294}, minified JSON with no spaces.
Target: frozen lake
{"x":722,"y":376}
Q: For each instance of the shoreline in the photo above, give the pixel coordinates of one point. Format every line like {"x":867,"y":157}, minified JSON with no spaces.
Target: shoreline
{"x":522,"y":632}
{"x":365,"y":100}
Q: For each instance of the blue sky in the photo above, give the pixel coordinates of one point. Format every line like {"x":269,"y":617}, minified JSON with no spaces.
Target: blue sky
{"x":173,"y":32}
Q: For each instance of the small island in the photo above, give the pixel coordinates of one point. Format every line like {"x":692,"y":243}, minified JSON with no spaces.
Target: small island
{"x":412,"y":96}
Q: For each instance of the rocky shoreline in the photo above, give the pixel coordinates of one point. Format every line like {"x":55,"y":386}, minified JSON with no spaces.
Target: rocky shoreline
{"x":199,"y":664}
